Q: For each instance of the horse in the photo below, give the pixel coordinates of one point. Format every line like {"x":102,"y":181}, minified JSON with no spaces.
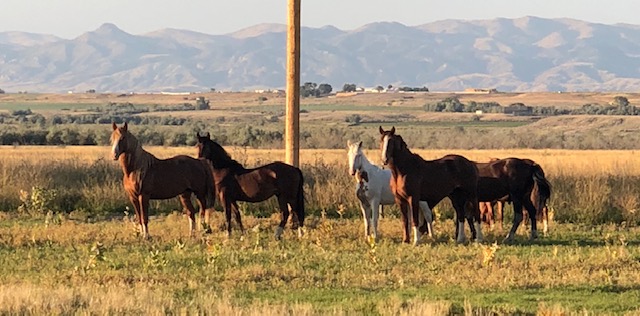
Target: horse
{"x":542,"y":211}
{"x":415,"y":179}
{"x":235,"y":183}
{"x":514,"y":179}
{"x":373,"y":190}
{"x":149,"y":178}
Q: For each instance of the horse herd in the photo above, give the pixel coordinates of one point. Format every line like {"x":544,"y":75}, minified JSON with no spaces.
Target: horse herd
{"x":414,"y":184}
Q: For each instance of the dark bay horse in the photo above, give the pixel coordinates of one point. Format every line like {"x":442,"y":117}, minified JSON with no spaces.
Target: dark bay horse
{"x":487,"y":210}
{"x":149,"y":178}
{"x":235,"y":183}
{"x":415,"y":179}
{"x":514,"y":179}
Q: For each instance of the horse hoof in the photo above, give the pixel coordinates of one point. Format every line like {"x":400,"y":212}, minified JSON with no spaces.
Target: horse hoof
{"x":278,"y":234}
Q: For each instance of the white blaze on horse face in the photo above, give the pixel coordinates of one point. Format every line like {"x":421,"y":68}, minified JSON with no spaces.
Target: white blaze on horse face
{"x":115,"y":149}
{"x":385,"y":147}
{"x":352,"y":155}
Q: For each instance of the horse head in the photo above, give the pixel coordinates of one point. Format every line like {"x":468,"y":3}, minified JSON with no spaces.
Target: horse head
{"x":387,"y":144}
{"x":355,"y":156}
{"x":204,"y":145}
{"x":120,"y":140}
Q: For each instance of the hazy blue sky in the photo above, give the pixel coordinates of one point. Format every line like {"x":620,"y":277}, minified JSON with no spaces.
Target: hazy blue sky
{"x":70,"y":18}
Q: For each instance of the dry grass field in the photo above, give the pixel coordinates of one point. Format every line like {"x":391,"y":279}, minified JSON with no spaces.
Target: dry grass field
{"x":68,"y":244}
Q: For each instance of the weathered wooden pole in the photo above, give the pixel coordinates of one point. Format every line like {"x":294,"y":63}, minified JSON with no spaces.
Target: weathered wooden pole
{"x":292,"y":130}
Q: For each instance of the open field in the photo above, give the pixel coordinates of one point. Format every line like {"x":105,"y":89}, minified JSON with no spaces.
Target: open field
{"x":75,"y":252}
{"x":243,"y":99}
{"x":67,"y":243}
{"x":555,"y":161}
{"x":66,"y":266}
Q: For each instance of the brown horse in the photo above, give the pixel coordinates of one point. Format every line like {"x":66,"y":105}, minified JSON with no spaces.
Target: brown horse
{"x":149,"y":178}
{"x":514,"y":179}
{"x":487,"y":210}
{"x":235,"y":183}
{"x":414,"y":179}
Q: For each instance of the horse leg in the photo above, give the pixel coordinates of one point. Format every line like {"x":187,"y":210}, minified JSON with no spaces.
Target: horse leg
{"x":404,"y":209}
{"x":545,"y":221}
{"x":460,"y":217}
{"x":365,"y":207}
{"x":414,"y":206}
{"x":517,"y":218}
{"x":375,"y":215}
{"x":428,"y":217}
{"x":136,"y":209}
{"x":532,"y":217}
{"x":144,"y":211}
{"x":185,"y":199}
{"x":226,"y":204}
{"x":475,"y":214}
{"x":236,"y":213}
{"x":499,"y":213}
{"x":204,"y":223}
{"x":284,"y":209}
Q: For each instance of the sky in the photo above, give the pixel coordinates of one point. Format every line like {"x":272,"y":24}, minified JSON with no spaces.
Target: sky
{"x":71,"y":18}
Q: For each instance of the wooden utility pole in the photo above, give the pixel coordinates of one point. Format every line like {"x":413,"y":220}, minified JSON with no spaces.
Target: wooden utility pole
{"x":292,"y":130}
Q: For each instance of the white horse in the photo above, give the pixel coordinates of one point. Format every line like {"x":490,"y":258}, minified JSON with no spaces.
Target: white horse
{"x":373,"y":190}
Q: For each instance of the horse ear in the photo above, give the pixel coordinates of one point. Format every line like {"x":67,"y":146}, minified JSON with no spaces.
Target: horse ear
{"x":115,"y":127}
{"x":393,"y":130}
{"x":381,"y":130}
{"x":208,"y":135}
{"x":348,"y":143}
{"x":360,"y":144}
{"x":125,"y":127}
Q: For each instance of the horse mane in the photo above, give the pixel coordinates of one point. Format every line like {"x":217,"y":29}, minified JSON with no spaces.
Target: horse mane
{"x":136,"y":160}
{"x":404,"y":148}
{"x":220,"y":159}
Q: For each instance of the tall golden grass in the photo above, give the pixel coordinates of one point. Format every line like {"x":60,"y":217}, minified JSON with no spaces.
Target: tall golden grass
{"x":591,"y":186}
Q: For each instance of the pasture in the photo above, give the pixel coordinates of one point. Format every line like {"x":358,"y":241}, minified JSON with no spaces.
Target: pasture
{"x":60,"y":255}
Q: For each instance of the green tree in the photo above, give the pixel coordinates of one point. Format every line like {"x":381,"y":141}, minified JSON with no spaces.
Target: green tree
{"x":349,"y":87}
{"x":324,"y":89}
{"x":309,"y":89}
{"x":620,"y":101}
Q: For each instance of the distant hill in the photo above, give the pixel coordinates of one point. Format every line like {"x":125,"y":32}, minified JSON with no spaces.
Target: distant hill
{"x":524,"y":54}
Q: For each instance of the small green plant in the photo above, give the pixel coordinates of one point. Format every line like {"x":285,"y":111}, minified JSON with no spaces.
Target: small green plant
{"x":38,"y":201}
{"x":489,"y":254}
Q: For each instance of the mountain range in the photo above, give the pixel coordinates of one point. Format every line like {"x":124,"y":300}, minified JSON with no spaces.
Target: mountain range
{"x":523,"y":54}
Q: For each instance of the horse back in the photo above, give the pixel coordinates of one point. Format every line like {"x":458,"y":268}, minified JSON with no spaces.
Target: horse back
{"x":167,"y":178}
{"x":439,"y":178}
{"x":260,"y":183}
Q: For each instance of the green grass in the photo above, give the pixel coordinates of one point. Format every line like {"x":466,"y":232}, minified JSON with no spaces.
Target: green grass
{"x":12,"y":106}
{"x":464,"y":124}
{"x":575,"y":269}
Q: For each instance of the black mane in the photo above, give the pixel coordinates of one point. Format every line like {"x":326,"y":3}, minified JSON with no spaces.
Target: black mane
{"x":219,"y":157}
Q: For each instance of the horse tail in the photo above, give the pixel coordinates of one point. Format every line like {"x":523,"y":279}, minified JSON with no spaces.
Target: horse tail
{"x":300,"y":198}
{"x":544,"y":187}
{"x":210,"y":186}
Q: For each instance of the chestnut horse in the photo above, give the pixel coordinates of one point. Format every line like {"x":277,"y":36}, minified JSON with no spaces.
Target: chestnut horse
{"x":414,"y":179}
{"x":235,"y":183}
{"x":149,"y":178}
{"x":514,"y":179}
